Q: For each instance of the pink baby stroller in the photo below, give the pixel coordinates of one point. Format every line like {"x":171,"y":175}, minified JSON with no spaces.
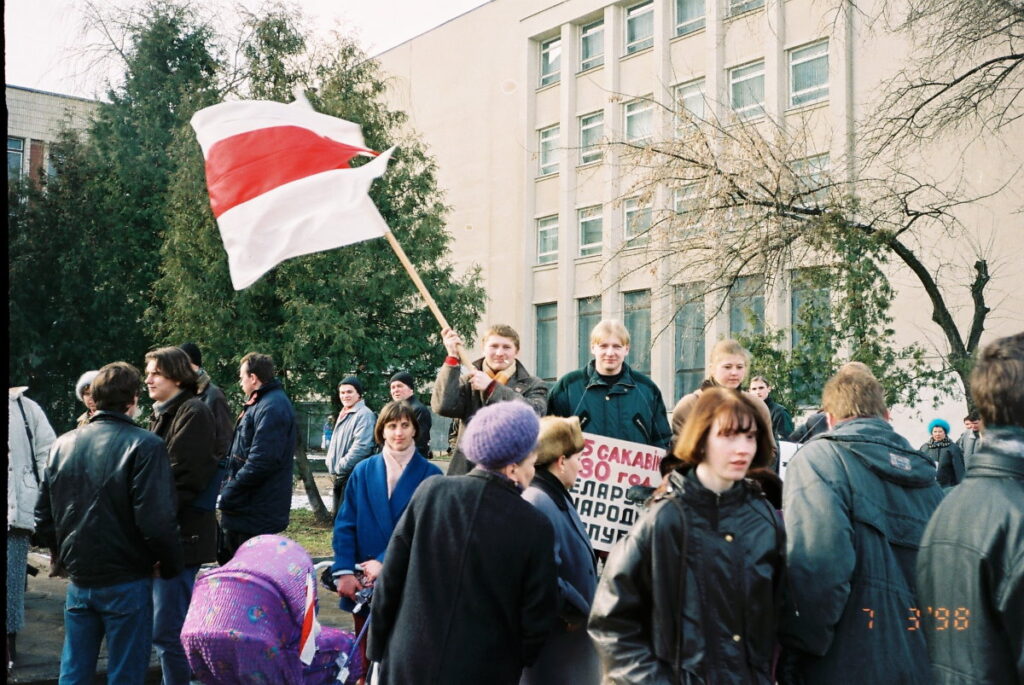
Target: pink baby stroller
{"x":253,"y":620}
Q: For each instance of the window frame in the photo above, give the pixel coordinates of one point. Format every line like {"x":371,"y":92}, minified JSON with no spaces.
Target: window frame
{"x":589,"y":154}
{"x":640,"y":343}
{"x":550,"y":78}
{"x":791,"y":64}
{"x":586,"y":31}
{"x":741,"y":296}
{"x":680,"y":196}
{"x":689,"y":295}
{"x":544,"y":230}
{"x":13,"y":173}
{"x":541,"y":324}
{"x":627,"y":116}
{"x":640,"y":9}
{"x":738,"y":7}
{"x":641,"y":238}
{"x":548,"y":145}
{"x":583,"y":354}
{"x":680,"y":102}
{"x":748,"y":111}
{"x":590,"y":249}
{"x":813,"y":172}
{"x":683,"y":28}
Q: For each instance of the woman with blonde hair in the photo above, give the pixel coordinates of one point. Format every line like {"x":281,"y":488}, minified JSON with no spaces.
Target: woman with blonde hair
{"x":729,"y":365}
{"x":568,"y":654}
{"x":693,"y":593}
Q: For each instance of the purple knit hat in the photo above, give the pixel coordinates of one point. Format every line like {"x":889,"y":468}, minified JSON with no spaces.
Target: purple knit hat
{"x":501,"y":434}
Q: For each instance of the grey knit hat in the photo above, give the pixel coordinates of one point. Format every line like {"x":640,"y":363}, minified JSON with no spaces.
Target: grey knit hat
{"x":84,"y":381}
{"x":501,"y":434}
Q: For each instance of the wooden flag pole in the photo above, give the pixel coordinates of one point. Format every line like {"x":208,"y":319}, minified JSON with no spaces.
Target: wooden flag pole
{"x":414,"y":275}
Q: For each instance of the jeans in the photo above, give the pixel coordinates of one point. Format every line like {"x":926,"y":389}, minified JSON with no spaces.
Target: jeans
{"x":170,"y":604}
{"x":124,"y":614}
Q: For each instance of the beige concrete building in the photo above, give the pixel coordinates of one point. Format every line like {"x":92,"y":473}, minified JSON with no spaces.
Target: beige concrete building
{"x":34,"y":120}
{"x":515,"y":97}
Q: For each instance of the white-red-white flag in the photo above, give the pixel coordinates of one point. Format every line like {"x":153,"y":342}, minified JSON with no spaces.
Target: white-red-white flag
{"x":280,"y":183}
{"x":310,"y":625}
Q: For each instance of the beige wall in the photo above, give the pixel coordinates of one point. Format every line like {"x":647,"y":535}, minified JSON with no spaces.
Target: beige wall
{"x":36,"y":118}
{"x":470,"y":87}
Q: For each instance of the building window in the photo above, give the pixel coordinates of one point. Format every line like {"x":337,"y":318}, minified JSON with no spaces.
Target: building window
{"x":689,"y":105}
{"x":689,"y":338}
{"x":689,"y":16}
{"x":550,"y":61}
{"x":547,"y":240}
{"x":639,"y":27}
{"x":741,"y":6}
{"x":808,"y":74}
{"x":591,"y":45}
{"x":811,"y":179}
{"x":591,"y":222}
{"x":548,"y":151}
{"x":639,"y":121}
{"x":15,"y":157}
{"x":686,"y":203}
{"x":547,"y":341}
{"x":588,"y":315}
{"x":636,"y":315}
{"x":636,"y":222}
{"x":809,"y":307}
{"x":746,"y":306}
{"x":591,"y":132}
{"x":746,"y":90}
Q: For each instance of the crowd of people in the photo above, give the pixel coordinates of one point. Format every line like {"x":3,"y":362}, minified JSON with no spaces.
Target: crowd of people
{"x":871,"y":562}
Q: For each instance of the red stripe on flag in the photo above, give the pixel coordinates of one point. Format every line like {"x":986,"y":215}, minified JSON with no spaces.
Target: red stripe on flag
{"x":246,"y":165}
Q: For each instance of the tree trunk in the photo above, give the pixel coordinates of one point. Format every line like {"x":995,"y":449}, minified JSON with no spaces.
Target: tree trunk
{"x":316,"y":503}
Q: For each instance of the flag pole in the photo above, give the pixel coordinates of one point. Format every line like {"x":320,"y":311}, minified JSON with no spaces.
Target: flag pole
{"x":414,"y":275}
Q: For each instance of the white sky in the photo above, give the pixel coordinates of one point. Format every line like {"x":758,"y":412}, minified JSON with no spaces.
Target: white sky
{"x":45,"y":43}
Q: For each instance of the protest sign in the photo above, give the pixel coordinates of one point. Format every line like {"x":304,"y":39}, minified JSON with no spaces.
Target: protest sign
{"x":609,"y":467}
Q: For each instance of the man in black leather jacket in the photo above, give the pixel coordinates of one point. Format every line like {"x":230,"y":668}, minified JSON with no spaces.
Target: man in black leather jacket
{"x":970,"y":571}
{"x":107,"y":504}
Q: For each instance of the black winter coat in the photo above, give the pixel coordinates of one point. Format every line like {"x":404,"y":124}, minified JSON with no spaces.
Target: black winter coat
{"x":632,"y":409}
{"x":186,"y":425}
{"x":950,"y":461}
{"x":107,"y":503}
{"x":223,"y":420}
{"x":732,"y":547}
{"x":970,"y":569}
{"x":256,"y":498}
{"x":468,"y":592}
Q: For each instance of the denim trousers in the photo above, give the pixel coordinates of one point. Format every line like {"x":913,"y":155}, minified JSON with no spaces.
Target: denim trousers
{"x":170,"y":604}
{"x":122,"y":613}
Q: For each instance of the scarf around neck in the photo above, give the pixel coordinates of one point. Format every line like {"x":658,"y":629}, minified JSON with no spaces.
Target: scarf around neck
{"x":395,"y":462}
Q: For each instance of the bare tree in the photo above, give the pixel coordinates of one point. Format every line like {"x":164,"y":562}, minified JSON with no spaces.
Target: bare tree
{"x":740,"y":199}
{"x":965,"y":72}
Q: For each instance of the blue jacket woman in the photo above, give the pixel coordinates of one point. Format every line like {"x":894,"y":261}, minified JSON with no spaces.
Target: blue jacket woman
{"x":376,"y":496}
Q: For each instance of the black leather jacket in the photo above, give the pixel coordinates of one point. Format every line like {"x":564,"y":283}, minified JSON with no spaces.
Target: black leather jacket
{"x":654,"y":624}
{"x":108,"y":504}
{"x":970,"y":570}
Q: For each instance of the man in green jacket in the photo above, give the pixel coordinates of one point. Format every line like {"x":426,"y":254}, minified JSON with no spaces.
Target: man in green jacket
{"x":857,"y":499}
{"x":970,"y":572}
{"x":610,"y":398}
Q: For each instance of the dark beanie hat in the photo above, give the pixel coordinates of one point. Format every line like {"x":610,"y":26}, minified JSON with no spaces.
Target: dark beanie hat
{"x":501,"y":434}
{"x":192,"y":350}
{"x":404,"y":377}
{"x":354,"y":382}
